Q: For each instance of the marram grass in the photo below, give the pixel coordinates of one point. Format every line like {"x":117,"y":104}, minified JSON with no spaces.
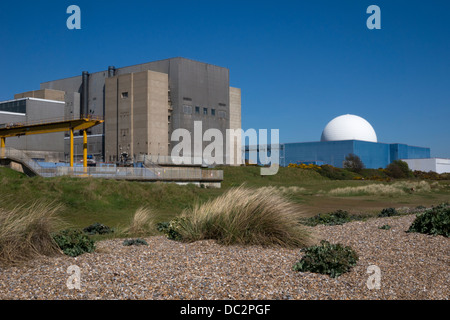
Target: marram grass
{"x":246,"y":216}
{"x":26,"y":232}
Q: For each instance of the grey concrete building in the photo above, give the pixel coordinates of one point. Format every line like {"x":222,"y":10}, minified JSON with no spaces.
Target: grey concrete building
{"x":143,"y":104}
{"x":27,"y":109}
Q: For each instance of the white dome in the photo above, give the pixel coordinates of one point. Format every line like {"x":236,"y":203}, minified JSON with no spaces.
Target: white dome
{"x":348,"y":127}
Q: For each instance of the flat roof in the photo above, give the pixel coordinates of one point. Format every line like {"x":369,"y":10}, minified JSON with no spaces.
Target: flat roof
{"x":34,"y":99}
{"x":137,"y":64}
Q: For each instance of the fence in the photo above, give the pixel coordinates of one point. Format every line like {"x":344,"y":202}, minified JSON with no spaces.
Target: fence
{"x":130,"y":173}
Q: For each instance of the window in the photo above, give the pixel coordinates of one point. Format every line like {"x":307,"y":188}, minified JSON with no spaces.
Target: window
{"x":197,"y":110}
{"x":222,"y":104}
{"x":213,"y":112}
{"x":205,"y":111}
{"x":187,"y":99}
{"x":124,"y":94}
{"x":187,"y":109}
{"x":222,"y":114}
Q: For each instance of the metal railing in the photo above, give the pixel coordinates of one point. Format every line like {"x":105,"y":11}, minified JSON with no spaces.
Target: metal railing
{"x":131,"y":173}
{"x":172,"y":160}
{"x":152,"y":174}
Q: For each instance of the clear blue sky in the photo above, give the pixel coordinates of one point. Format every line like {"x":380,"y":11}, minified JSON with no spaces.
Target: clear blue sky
{"x":299,"y":63}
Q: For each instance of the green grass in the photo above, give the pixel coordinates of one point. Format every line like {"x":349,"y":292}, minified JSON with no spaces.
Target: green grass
{"x":84,"y":201}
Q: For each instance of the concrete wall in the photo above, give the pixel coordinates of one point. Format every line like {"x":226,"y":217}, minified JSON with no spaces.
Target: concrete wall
{"x":37,"y":109}
{"x":136,"y":114}
{"x":190,"y":83}
{"x":235,"y":124}
{"x":46,"y":94}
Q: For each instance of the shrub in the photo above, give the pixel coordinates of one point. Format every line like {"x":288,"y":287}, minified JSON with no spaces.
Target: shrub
{"x":170,"y":229}
{"x":435,"y":221}
{"x":385,"y":227}
{"x":332,"y":218}
{"x":135,"y":242}
{"x":388,"y":212}
{"x":97,"y":228}
{"x":25,"y":232}
{"x":74,"y":242}
{"x":334,"y":173}
{"x":353,"y":163}
{"x":399,"y":169}
{"x":244,"y":216}
{"x":327,"y":258}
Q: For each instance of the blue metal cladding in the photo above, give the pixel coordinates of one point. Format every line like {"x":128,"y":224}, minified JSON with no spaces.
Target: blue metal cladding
{"x":403,"y":151}
{"x":329,"y":152}
{"x":373,"y":155}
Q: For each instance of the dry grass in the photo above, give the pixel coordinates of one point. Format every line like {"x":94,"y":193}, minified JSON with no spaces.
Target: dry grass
{"x":247,"y":216}
{"x":397,"y":188}
{"x":26,"y":232}
{"x":143,"y":223}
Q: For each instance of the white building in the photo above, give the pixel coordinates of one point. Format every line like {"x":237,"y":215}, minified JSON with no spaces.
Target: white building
{"x":437,"y":165}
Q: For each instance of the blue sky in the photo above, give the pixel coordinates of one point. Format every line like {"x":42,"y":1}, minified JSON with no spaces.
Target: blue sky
{"x":299,"y":63}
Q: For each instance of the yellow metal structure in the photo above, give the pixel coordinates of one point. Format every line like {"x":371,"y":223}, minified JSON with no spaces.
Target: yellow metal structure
{"x":50,"y":126}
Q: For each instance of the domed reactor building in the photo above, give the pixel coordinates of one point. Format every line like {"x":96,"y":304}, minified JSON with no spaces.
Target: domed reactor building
{"x":348,"y":134}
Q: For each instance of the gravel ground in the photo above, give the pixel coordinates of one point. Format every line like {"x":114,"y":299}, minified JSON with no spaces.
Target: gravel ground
{"x":413,"y":266}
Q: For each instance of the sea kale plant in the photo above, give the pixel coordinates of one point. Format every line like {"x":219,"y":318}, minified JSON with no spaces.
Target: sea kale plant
{"x":327,"y":258}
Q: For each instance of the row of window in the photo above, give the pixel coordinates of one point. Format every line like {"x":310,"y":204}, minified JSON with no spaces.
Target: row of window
{"x":19,"y":106}
{"x":199,"y":110}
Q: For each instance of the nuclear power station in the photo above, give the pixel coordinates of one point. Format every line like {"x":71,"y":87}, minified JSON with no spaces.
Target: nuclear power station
{"x":141,"y":106}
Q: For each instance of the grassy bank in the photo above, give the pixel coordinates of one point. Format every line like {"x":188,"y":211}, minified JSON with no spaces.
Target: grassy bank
{"x":84,"y":201}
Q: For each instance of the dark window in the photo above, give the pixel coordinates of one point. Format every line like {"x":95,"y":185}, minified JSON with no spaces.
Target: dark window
{"x":205,"y":110}
{"x":213,"y":112}
{"x":14,"y":106}
{"x":124,"y":94}
{"x":222,"y":104}
{"x":187,"y":99}
{"x":197,"y":110}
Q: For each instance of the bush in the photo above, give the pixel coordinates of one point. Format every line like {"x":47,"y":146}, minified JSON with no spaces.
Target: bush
{"x":388,"y":212}
{"x":135,"y":242}
{"x":332,"y":218}
{"x":334,"y":173}
{"x":244,"y":216}
{"x":353,"y":163}
{"x":327,"y":258}
{"x":435,"y":221}
{"x":169,"y":229}
{"x":74,"y":242}
{"x":399,"y":169}
{"x":97,"y":228}
{"x":385,"y":227}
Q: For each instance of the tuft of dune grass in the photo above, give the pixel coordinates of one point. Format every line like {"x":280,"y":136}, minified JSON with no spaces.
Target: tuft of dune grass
{"x":26,"y":232}
{"x":395,"y":189}
{"x":247,"y":216}
{"x":143,"y":223}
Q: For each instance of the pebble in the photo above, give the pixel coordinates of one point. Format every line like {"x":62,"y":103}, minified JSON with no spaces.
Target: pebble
{"x":413,"y":266}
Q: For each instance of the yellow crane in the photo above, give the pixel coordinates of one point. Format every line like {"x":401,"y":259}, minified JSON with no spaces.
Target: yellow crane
{"x":50,"y":126}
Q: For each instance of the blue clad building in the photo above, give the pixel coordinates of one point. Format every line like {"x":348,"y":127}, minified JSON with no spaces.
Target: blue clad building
{"x":342,"y":136}
{"x":372,"y":154}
